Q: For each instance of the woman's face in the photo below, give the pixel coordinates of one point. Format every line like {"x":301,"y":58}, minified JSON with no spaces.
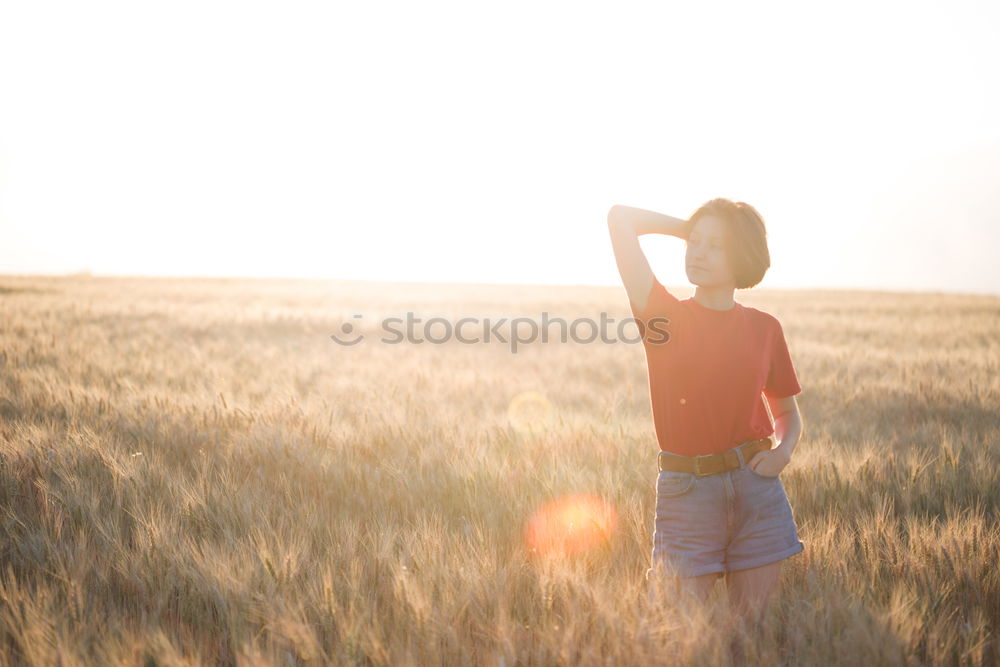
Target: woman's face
{"x":706,"y":260}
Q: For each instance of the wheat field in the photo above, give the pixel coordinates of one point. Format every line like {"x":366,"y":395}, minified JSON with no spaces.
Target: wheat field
{"x":194,"y":472}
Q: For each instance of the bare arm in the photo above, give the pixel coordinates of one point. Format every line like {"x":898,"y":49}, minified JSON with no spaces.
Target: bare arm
{"x":787,"y":429}
{"x":787,"y":423}
{"x":625,"y":224}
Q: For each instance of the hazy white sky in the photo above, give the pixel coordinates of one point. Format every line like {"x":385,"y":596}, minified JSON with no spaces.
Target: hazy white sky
{"x":485,"y":142}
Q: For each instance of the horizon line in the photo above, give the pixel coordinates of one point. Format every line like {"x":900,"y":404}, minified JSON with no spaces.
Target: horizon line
{"x":813,"y":288}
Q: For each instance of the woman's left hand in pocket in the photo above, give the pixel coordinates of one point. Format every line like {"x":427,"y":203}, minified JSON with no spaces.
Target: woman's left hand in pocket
{"x":769,"y":462}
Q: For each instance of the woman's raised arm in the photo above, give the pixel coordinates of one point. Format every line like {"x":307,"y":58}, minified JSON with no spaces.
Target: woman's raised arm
{"x":625,"y":224}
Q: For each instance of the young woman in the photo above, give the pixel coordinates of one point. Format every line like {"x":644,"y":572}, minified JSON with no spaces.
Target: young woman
{"x":721,"y":509}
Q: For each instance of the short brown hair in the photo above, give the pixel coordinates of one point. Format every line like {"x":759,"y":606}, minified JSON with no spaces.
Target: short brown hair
{"x":746,"y":238}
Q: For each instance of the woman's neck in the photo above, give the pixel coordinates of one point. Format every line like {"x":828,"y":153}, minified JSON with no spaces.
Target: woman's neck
{"x":715,"y":298}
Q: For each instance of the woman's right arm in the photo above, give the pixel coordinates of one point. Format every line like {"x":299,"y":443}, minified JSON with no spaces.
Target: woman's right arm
{"x":625,"y":224}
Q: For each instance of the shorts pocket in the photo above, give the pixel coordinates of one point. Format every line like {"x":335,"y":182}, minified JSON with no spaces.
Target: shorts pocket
{"x":670,"y":484}
{"x":760,"y":476}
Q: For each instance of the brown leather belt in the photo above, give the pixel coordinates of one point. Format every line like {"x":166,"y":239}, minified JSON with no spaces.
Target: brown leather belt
{"x":711,"y":464}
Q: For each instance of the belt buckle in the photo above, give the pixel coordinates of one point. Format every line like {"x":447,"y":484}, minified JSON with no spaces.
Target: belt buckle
{"x":697,"y":465}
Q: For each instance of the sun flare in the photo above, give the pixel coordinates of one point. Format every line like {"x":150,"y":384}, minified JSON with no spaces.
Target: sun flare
{"x":571,"y":525}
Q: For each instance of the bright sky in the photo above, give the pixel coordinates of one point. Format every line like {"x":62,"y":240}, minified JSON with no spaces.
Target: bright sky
{"x":470,"y":142}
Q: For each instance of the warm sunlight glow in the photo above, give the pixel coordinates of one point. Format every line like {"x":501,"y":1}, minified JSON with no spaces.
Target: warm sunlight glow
{"x":571,"y":525}
{"x":459,"y":142}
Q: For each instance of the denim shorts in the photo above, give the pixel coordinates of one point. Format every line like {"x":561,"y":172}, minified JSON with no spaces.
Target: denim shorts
{"x":733,"y":520}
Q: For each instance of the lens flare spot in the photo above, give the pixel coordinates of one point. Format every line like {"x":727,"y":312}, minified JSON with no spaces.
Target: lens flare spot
{"x":530,"y":410}
{"x":571,"y":525}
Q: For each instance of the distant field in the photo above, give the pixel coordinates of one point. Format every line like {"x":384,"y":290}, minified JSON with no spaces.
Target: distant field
{"x":193,"y":471}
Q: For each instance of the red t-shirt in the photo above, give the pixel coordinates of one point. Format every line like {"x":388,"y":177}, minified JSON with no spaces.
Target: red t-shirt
{"x":706,"y":379}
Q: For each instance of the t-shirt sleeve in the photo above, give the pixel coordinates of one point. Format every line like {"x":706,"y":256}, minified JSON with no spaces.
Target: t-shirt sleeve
{"x":659,"y":304}
{"x":781,"y":379}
